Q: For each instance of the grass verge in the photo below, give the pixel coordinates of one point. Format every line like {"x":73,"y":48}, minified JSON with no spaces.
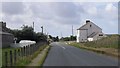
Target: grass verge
{"x":44,"y":56}
{"x":108,"y":51}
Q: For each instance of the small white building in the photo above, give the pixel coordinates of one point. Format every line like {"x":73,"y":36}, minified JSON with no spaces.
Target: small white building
{"x":89,"y":32}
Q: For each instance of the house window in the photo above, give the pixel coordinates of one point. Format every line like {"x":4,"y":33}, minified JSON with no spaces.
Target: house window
{"x":100,"y":34}
{"x":90,"y":25}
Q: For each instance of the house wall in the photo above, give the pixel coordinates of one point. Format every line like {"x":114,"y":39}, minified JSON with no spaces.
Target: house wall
{"x":83,"y":35}
{"x":96,"y":37}
{"x":6,"y":40}
{"x":78,"y":36}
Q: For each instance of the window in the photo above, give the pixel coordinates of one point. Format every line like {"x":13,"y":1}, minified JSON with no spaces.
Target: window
{"x":90,"y":25}
{"x":100,"y":34}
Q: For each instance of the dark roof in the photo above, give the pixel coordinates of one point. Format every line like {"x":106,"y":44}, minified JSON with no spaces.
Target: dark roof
{"x":5,"y":33}
{"x":92,"y":35}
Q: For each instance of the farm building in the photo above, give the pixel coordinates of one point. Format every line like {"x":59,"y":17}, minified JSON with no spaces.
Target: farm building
{"x":5,"y":38}
{"x":89,"y":32}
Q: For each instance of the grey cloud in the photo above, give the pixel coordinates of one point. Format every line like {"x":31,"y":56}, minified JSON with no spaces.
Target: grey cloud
{"x":66,"y":12}
{"x":13,"y":7}
{"x":41,"y":10}
{"x":65,"y":9}
{"x":68,"y":21}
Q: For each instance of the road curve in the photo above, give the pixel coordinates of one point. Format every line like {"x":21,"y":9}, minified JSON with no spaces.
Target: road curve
{"x":62,"y":54}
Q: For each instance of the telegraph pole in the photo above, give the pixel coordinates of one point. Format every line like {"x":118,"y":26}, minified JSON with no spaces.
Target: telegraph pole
{"x":33,"y":26}
{"x":72,"y":30}
{"x":61,"y":36}
{"x":42,"y":29}
{"x":72,"y":33}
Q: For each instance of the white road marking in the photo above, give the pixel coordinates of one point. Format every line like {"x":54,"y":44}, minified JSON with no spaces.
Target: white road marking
{"x":62,"y":46}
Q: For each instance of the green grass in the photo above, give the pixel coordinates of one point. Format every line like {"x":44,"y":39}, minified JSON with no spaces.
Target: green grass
{"x":26,"y":60}
{"x":81,"y":46}
{"x":21,"y":61}
{"x":0,"y":58}
{"x":7,"y":50}
{"x":108,"y":45}
{"x":44,"y":56}
{"x":107,"y":42}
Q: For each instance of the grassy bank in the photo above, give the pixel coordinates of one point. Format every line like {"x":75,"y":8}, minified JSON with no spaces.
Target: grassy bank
{"x":108,"y":45}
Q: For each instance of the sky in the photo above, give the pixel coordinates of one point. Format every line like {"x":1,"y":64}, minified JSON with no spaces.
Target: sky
{"x":57,"y":18}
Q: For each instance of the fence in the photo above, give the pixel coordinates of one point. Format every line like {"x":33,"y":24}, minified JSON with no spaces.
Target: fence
{"x":12,"y":57}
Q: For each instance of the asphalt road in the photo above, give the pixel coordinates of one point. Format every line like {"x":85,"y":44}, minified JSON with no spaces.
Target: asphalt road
{"x":64,"y":55}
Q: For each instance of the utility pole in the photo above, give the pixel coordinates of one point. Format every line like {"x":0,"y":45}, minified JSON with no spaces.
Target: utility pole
{"x":72,"y":33}
{"x":42,"y":29}
{"x":61,"y":36}
{"x":33,"y":26}
{"x":72,"y":30}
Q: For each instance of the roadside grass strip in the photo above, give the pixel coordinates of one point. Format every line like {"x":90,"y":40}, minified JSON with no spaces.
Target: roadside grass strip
{"x":106,"y":51}
{"x":44,"y":56}
{"x":40,"y":58}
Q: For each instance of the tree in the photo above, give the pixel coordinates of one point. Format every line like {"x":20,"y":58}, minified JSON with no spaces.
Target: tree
{"x":27,"y":33}
{"x":57,"y":38}
{"x":71,"y":38}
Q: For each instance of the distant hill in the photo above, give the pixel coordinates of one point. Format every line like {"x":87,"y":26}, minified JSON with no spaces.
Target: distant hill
{"x":111,"y":41}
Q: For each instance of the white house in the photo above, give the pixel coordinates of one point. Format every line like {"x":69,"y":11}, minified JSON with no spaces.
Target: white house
{"x":89,"y":32}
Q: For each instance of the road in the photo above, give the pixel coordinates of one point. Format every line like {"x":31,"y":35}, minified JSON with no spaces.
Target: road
{"x":62,"y":54}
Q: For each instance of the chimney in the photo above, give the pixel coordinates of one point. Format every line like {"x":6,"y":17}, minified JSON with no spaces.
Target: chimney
{"x":87,"y":21}
{"x":4,"y":24}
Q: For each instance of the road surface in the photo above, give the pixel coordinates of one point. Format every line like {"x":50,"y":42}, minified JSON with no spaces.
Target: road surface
{"x":62,"y":54}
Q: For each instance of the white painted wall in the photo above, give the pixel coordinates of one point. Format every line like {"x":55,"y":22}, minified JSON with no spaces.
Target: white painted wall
{"x":83,"y":35}
{"x":90,"y":39}
{"x":78,"y":36}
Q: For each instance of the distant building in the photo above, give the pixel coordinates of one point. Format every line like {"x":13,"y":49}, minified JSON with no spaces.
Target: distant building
{"x":89,"y":32}
{"x":5,"y":38}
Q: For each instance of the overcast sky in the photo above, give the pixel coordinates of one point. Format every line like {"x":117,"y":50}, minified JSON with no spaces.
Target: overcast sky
{"x":58,"y":17}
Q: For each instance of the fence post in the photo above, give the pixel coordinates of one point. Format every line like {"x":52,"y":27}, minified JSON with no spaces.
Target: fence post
{"x":32,"y":49}
{"x":21,"y":51}
{"x":11,"y":58}
{"x":18,"y":52}
{"x":24,"y":51}
{"x":6,"y":58}
{"x":15,"y":57}
{"x":27,"y":50}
